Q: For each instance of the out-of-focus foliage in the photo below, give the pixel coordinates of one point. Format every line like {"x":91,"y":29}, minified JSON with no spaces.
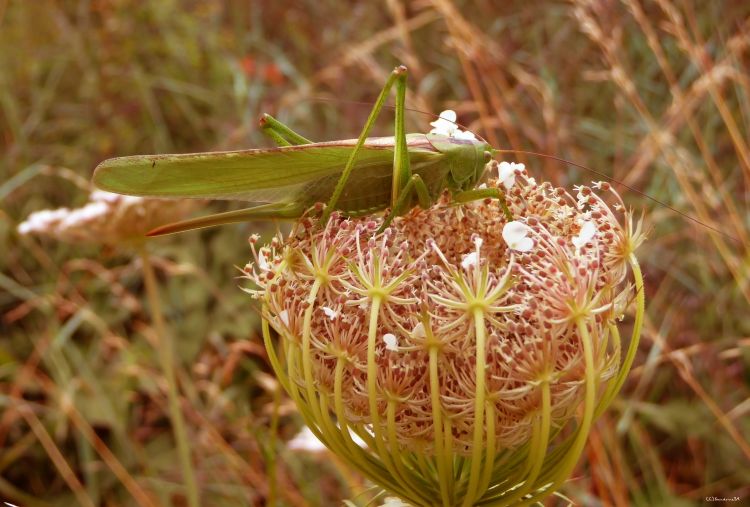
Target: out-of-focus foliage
{"x":654,"y":93}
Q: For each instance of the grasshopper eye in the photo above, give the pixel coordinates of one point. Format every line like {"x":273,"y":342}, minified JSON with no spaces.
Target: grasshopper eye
{"x":487,"y":156}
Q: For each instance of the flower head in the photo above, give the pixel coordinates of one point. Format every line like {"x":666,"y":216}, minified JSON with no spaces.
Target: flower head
{"x":516,"y":235}
{"x":306,"y":441}
{"x":586,"y":234}
{"x":391,"y":342}
{"x":330,"y":313}
{"x":507,"y":173}
{"x":470,"y":260}
{"x":452,"y":335}
{"x":107,"y":218}
{"x":392,"y":501}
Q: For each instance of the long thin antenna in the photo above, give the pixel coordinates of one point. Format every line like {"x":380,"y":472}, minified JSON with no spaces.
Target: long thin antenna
{"x":624,"y":185}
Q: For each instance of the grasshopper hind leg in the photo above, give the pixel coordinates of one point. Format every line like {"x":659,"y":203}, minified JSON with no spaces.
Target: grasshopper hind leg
{"x":281,"y":134}
{"x":397,"y":77}
{"x":265,"y":211}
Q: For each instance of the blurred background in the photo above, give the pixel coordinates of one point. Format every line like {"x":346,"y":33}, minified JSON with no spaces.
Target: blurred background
{"x":655,"y":93}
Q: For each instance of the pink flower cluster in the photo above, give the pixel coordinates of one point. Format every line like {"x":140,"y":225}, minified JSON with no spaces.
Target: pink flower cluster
{"x":432,"y":286}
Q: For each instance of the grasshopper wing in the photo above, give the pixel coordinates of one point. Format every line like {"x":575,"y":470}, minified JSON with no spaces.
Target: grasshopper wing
{"x":260,"y":175}
{"x":302,"y":174}
{"x":289,"y":178}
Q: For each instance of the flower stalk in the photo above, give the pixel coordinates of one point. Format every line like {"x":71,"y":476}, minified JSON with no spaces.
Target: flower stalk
{"x":165,"y":352}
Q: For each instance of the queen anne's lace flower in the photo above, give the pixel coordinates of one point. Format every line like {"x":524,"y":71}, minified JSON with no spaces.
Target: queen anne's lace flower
{"x":516,"y":235}
{"x":331,"y":313}
{"x":461,"y":339}
{"x":507,"y":173}
{"x":391,"y":342}
{"x":586,"y":234}
{"x":107,"y":218}
{"x":446,"y":125}
{"x":392,"y":501}
{"x":306,"y":441}
{"x":42,"y":221}
{"x":470,"y":260}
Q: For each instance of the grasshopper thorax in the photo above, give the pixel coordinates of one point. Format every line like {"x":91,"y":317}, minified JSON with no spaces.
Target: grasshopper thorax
{"x":466,"y":158}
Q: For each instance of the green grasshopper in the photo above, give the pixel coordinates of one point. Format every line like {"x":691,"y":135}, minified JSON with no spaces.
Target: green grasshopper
{"x":356,"y":176}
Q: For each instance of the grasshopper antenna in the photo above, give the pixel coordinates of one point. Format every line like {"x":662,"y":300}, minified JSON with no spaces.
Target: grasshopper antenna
{"x":624,"y":185}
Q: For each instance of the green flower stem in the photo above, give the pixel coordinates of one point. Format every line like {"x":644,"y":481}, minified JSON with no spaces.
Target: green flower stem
{"x":448,"y":446}
{"x":338,"y":405}
{"x":612,"y":385}
{"x":356,"y":455}
{"x":271,"y":454}
{"x":314,"y":411}
{"x":372,"y":395}
{"x":489,"y":460}
{"x":273,"y":357}
{"x":529,"y":455}
{"x":442,"y":455}
{"x":166,"y":358}
{"x":479,"y":402}
{"x":393,"y":439}
{"x":538,"y":449}
{"x":640,"y":310}
{"x":306,"y":359}
{"x":394,"y":448}
{"x":318,"y":410}
{"x":306,"y":407}
{"x":426,"y":465}
{"x":563,"y":459}
{"x":322,"y":428}
{"x":564,"y":468}
{"x":372,"y":391}
{"x":333,"y":432}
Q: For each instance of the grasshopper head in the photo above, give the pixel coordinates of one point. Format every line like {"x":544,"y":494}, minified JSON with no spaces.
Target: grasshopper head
{"x":467,"y":159}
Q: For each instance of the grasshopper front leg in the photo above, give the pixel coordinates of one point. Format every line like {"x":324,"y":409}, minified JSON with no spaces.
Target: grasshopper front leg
{"x":401,"y":172}
{"x":484,"y":193}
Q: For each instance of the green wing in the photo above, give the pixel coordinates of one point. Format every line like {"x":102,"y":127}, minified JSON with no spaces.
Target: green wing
{"x":302,"y":174}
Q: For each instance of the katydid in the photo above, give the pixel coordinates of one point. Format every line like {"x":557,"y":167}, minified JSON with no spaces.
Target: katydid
{"x":356,"y":176}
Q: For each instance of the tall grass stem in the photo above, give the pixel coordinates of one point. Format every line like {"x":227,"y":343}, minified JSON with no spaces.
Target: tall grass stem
{"x":166,"y":359}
